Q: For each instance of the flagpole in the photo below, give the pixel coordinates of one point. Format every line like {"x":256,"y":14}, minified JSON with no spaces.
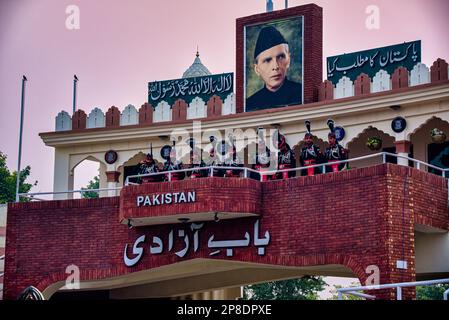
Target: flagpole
{"x":24,"y":79}
{"x":75,"y":80}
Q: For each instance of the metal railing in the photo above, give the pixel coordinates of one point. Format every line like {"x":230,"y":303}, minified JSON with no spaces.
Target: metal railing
{"x":2,"y":258}
{"x":1,"y":275}
{"x":32,"y":195}
{"x":397,"y":286}
{"x":323,"y":166}
{"x":211,"y":169}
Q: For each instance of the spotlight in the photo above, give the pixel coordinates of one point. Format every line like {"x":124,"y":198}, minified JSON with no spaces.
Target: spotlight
{"x":216,"y":218}
{"x":395,"y":107}
{"x":130,"y":226}
{"x":183,"y":220}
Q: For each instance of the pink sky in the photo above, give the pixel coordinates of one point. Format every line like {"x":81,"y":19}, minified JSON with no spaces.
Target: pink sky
{"x":121,"y":45}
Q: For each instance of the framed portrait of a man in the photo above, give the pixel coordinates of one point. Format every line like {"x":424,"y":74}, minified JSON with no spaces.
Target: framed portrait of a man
{"x":273,"y":63}
{"x":279,"y":58}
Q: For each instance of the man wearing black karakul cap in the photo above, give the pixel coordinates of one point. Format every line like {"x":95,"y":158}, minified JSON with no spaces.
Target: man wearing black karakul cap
{"x":271,"y":63}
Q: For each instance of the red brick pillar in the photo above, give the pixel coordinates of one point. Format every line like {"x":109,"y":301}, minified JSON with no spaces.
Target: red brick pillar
{"x":400,"y":237}
{"x":399,"y":79}
{"x":113,"y":182}
{"x":113,"y":117}
{"x":214,"y":106}
{"x":326,"y":91}
{"x":439,"y":71}
{"x":112,"y":176}
{"x":146,"y":114}
{"x":362,"y":84}
{"x":79,"y":120}
{"x":402,"y":149}
{"x":179,"y":110}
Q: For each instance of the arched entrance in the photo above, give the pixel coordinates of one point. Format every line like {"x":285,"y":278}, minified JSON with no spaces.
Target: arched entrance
{"x":88,"y":170}
{"x":358,"y":147}
{"x":193,"y":279}
{"x":435,"y":152}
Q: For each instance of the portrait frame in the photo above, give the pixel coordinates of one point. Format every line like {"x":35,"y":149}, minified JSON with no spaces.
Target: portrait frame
{"x":312,"y":74}
{"x":292,"y":29}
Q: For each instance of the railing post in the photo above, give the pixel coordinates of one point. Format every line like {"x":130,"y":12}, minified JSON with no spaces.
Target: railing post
{"x":169,"y":176}
{"x":211,"y":171}
{"x":398,"y":293}
{"x":445,"y":294}
{"x":245,"y":173}
{"x":418,"y":166}
{"x":384,"y":158}
{"x":324,"y":168}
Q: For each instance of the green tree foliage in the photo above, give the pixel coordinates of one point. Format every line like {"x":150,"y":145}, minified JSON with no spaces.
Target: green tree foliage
{"x":8,"y":182}
{"x":434,"y":292}
{"x":93,"y":184}
{"x":305,"y":288}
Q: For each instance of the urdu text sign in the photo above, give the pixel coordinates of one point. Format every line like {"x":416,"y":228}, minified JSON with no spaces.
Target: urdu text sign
{"x":351,"y":65}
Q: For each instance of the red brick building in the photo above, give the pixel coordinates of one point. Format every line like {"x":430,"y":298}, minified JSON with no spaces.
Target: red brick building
{"x":227,"y":232}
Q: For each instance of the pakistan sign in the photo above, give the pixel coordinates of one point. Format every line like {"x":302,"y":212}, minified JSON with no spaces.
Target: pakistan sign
{"x":189,"y":88}
{"x":351,"y":65}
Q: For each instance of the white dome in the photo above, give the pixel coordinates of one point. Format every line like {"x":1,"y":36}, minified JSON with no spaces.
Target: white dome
{"x":197,"y":69}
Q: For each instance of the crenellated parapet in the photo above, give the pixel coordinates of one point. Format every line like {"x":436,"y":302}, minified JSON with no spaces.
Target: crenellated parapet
{"x":383,"y":81}
{"x":147,"y":114}
{"x":215,"y":107}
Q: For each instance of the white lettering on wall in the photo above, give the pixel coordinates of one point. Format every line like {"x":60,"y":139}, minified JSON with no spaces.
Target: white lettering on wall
{"x":216,"y":246}
{"x":137,"y":251}
{"x":165,"y":198}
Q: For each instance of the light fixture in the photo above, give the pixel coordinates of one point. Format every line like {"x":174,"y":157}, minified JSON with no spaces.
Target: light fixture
{"x":216,"y":218}
{"x":183,"y":220}
{"x":130,"y":225}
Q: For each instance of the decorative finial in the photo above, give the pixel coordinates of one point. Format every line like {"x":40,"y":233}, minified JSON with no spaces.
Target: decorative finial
{"x":197,"y":52}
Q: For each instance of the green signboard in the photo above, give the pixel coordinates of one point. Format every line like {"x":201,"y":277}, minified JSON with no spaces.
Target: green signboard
{"x":189,"y":88}
{"x":351,"y":65}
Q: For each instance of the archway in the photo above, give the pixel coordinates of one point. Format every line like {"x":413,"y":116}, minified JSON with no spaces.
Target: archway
{"x":297,"y":148}
{"x":427,"y":150}
{"x":193,"y":279}
{"x":357,"y":147}
{"x":131,"y":166}
{"x":88,"y":173}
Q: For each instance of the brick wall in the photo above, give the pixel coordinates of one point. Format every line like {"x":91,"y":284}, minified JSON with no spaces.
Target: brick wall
{"x":355,"y":218}
{"x":246,"y":191}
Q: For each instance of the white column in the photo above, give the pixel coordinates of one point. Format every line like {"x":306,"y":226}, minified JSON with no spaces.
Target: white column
{"x":111,"y":185}
{"x":112,"y":182}
{"x":103,"y":178}
{"x":402,"y":161}
{"x":62,"y":178}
